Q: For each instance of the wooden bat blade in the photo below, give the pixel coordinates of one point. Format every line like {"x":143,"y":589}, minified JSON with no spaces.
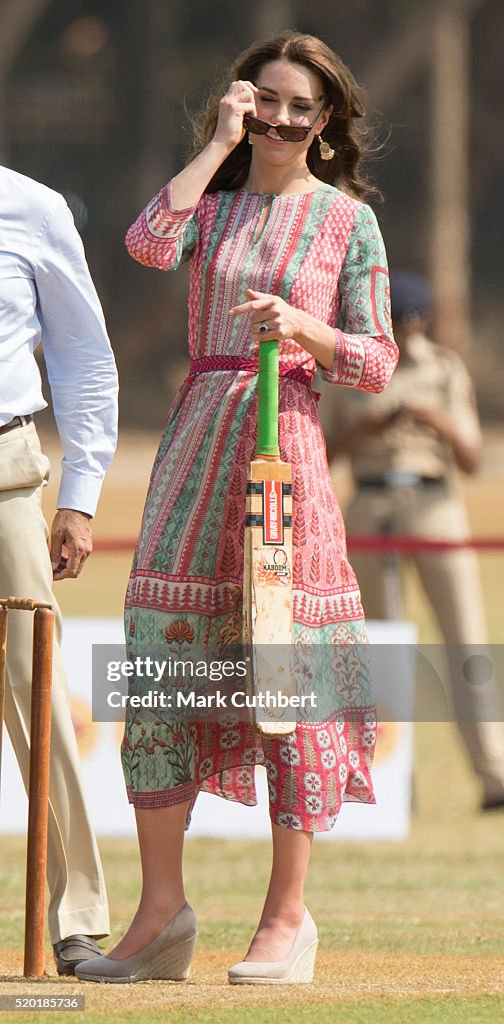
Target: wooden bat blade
{"x":267,"y":592}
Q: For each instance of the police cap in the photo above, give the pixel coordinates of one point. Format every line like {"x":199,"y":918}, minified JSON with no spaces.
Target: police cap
{"x":410,"y":294}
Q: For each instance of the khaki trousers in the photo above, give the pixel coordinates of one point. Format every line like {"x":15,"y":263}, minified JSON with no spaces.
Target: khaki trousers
{"x":78,"y":900}
{"x":452,"y":585}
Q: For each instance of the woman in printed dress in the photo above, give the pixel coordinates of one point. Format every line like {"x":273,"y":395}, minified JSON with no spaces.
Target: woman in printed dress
{"x":280,"y":245}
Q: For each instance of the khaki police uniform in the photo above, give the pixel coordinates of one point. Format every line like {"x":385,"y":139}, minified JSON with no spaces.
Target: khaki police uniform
{"x":405,"y":486}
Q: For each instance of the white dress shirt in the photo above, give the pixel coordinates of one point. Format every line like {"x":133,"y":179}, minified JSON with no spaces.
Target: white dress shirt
{"x":47,"y":297}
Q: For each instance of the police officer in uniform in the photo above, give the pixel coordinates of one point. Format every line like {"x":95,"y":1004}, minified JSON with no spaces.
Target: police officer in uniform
{"x":404,"y":447}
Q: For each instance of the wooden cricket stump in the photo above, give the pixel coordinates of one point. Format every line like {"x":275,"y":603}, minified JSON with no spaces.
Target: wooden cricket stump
{"x":38,"y":793}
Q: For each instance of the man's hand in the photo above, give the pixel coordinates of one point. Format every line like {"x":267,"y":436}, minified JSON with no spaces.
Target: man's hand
{"x":71,"y":543}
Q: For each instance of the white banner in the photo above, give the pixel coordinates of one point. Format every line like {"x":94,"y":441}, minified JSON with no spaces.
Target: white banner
{"x":99,"y":744}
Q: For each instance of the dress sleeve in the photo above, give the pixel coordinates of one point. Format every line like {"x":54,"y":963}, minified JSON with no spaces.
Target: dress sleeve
{"x":366,"y":353}
{"x":161,"y":236}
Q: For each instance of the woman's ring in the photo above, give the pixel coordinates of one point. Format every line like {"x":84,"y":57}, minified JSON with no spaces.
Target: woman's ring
{"x":263,"y":328}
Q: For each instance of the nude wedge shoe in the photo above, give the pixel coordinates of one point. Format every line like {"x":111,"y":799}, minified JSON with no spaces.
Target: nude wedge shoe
{"x":297,"y":968}
{"x":168,"y":957}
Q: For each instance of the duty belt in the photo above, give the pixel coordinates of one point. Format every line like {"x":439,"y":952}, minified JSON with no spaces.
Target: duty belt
{"x":401,"y":478}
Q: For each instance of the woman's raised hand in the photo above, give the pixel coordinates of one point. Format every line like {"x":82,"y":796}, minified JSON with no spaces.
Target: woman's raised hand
{"x":188,"y":186}
{"x":237,"y":101}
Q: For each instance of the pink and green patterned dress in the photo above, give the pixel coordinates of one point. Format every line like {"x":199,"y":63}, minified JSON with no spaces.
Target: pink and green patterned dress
{"x":320,"y":251}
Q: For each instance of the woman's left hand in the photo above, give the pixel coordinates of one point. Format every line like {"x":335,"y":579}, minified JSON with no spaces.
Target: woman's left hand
{"x":271,"y":311}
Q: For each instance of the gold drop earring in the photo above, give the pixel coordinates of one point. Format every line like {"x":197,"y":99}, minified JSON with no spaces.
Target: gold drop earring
{"x":326,"y":152}
{"x":250,"y":139}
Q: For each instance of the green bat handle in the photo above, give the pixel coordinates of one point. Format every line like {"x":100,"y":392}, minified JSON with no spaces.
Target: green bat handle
{"x":267,"y":415}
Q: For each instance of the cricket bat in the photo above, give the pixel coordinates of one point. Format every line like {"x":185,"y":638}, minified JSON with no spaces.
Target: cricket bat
{"x":267,"y":577}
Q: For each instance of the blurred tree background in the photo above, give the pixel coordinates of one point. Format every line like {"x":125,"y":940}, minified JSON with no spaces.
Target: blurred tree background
{"x":94,"y":96}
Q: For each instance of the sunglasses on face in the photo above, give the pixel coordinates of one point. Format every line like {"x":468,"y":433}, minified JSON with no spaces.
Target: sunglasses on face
{"x":286,"y":132}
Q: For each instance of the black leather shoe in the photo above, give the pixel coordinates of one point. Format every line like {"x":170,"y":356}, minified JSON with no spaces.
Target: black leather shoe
{"x":73,"y":950}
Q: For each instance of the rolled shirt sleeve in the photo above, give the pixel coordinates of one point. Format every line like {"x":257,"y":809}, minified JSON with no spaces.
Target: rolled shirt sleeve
{"x":365,"y":351}
{"x":80,"y":364}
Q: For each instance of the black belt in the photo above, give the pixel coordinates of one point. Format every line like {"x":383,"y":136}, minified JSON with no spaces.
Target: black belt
{"x":17,"y":421}
{"x":409,"y":480}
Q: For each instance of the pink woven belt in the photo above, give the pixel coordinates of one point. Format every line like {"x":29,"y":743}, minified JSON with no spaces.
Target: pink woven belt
{"x":207,"y":364}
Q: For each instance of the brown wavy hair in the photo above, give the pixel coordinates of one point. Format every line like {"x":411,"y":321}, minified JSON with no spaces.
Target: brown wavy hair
{"x":345,"y":131}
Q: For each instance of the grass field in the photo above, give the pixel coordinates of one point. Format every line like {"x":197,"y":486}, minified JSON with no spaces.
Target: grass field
{"x":410,"y":933}
{"x":102,"y":585}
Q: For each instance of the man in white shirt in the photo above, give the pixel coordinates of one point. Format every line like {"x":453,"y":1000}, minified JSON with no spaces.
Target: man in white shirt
{"x":47,"y":297}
